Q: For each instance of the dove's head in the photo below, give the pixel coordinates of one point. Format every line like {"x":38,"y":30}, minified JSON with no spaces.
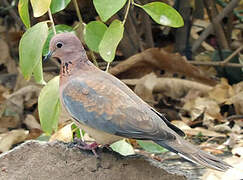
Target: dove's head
{"x":66,"y":47}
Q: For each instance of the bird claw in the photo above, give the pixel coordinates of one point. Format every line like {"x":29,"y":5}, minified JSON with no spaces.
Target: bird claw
{"x":84,"y":146}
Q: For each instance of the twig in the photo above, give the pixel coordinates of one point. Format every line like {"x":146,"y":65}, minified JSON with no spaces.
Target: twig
{"x":218,"y":29}
{"x":202,"y":63}
{"x":78,"y":12}
{"x":138,"y":5}
{"x":52,"y":22}
{"x":224,"y":63}
{"x":126,"y":13}
{"x":234,"y":117}
{"x":107,"y":67}
{"x":228,"y":9}
{"x":236,"y":13}
{"x":232,"y":55}
{"x":82,"y":29}
{"x":103,"y":65}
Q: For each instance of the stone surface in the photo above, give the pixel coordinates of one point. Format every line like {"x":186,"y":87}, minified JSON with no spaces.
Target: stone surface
{"x":41,"y":160}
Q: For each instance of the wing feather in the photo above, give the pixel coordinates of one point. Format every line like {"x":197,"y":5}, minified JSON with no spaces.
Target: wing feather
{"x":100,"y":104}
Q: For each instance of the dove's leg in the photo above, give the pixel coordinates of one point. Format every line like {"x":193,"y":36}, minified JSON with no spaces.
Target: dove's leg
{"x":84,"y":146}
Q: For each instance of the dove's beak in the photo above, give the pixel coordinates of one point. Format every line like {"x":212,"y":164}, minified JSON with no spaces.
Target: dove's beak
{"x":48,"y":55}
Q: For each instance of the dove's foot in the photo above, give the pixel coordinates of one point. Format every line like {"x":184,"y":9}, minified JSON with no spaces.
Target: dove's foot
{"x":84,"y":146}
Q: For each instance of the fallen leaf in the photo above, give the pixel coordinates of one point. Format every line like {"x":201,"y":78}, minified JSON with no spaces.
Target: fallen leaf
{"x":23,"y":95}
{"x":221,"y":92}
{"x":200,"y":105}
{"x":173,"y":87}
{"x":177,"y":88}
{"x":5,"y":57}
{"x":212,"y":150}
{"x":238,"y":151}
{"x":9,"y":122}
{"x":235,"y":173}
{"x":34,"y":134}
{"x":155,"y":59}
{"x":31,"y":122}
{"x":4,"y":51}
{"x":64,"y":134}
{"x":195,"y":131}
{"x":123,"y":148}
{"x":7,"y":140}
{"x":237,"y":100}
{"x":224,"y":128}
{"x":144,"y":87}
{"x":151,"y":147}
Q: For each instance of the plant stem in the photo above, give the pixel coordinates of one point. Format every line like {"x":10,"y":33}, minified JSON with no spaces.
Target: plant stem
{"x":138,"y":5}
{"x":82,"y":29}
{"x":107,"y":67}
{"x":52,"y":22}
{"x":127,"y":10}
{"x":78,"y":11}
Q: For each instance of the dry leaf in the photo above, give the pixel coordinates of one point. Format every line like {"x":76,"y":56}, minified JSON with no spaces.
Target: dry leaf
{"x":221,"y":92}
{"x":12,"y":137}
{"x":4,"y":51}
{"x":235,"y":173}
{"x":180,"y":124}
{"x":64,"y":134}
{"x":7,"y":122}
{"x":238,"y":151}
{"x":5,"y":57}
{"x":204,"y":132}
{"x":23,"y":95}
{"x":207,"y":106}
{"x":224,"y":128}
{"x":154,"y":59}
{"x":34,"y":133}
{"x":212,"y":150}
{"x":31,"y":122}
{"x":174,"y":87}
{"x":195,"y":131}
{"x":144,"y":87}
{"x":177,"y":88}
{"x":237,"y":100}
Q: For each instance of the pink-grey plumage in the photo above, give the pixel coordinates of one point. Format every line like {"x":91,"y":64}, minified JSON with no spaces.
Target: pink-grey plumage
{"x":108,"y":110}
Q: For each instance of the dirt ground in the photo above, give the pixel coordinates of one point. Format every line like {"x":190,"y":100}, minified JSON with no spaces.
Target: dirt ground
{"x":36,"y":160}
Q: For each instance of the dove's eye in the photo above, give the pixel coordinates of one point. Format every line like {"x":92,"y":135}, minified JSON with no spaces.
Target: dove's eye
{"x":59,"y":45}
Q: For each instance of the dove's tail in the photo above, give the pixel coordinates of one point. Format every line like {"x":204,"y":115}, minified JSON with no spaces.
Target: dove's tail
{"x":190,"y":152}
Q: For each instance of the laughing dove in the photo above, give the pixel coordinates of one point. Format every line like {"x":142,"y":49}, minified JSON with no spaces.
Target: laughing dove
{"x":108,"y":110}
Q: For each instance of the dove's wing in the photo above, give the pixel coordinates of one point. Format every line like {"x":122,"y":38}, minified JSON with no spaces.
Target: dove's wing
{"x":100,"y":104}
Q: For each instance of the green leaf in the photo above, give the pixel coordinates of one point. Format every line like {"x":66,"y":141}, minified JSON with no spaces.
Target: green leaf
{"x":49,"y":106}
{"x":30,"y":48}
{"x":77,"y":130}
{"x":43,"y":137}
{"x":151,"y":147}
{"x":40,"y":7}
{"x":163,"y":14}
{"x":107,"y":8}
{"x":38,"y":73}
{"x":23,"y":8}
{"x":93,"y":34}
{"x":58,"y":5}
{"x":59,"y":29}
{"x":123,"y":148}
{"x":110,"y":40}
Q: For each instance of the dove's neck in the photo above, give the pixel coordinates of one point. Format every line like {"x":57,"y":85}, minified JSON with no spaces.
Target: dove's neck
{"x":75,"y":67}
